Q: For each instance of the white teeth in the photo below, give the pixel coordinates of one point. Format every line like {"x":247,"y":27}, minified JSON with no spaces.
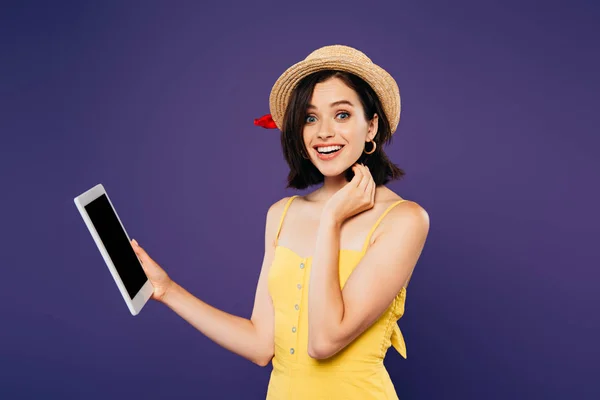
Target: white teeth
{"x":328,"y":149}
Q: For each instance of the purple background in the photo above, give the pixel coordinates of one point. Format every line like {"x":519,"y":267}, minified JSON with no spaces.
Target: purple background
{"x":156,"y":100}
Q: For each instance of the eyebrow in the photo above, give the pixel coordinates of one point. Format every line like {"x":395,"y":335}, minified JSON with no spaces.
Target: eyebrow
{"x":335,"y":103}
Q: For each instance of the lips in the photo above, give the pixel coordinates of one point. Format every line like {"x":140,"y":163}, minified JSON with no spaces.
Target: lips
{"x":321,"y":146}
{"x":329,"y":156}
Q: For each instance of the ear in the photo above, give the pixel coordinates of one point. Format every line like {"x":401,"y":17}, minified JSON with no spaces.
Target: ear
{"x":373,"y":126}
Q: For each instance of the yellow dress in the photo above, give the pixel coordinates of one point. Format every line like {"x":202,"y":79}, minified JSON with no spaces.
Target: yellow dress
{"x":357,"y":371}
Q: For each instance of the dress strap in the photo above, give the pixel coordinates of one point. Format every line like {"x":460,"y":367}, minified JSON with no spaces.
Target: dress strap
{"x":285,"y":209}
{"x":368,"y":239}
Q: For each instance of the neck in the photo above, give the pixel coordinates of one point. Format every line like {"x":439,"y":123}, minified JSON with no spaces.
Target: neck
{"x":331,"y":185}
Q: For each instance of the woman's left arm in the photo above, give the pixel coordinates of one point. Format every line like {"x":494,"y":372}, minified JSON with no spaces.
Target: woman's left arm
{"x":335,"y":316}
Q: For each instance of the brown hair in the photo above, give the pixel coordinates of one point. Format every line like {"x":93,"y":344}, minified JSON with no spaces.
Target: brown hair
{"x":303,"y":173}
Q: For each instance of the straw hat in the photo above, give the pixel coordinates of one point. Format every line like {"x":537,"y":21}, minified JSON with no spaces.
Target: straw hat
{"x":342,"y":58}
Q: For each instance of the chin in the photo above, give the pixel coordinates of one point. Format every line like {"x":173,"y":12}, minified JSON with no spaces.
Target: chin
{"x":332,"y":170}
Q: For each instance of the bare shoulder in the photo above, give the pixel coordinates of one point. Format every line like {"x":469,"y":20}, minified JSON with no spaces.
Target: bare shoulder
{"x":276,"y":209}
{"x":274,"y":214}
{"x":410,"y":213}
{"x":406,"y":214}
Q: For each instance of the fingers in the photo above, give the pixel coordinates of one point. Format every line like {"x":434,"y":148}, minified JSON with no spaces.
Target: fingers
{"x":139,"y":251}
{"x":370,"y":189}
{"x":369,"y":178}
{"x":368,"y":184}
{"x":358,"y":174}
{"x":365,"y":183}
{"x":364,"y":180}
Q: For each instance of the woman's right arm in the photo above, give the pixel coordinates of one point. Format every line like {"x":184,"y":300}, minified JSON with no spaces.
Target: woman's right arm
{"x":250,"y":338}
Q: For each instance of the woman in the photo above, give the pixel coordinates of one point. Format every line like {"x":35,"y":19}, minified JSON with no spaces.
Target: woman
{"x":337,"y":261}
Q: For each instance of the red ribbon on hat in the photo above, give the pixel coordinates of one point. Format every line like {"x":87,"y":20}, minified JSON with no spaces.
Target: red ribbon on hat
{"x":266,"y":121}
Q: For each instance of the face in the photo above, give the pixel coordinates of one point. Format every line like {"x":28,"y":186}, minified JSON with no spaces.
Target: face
{"x":336,"y":131}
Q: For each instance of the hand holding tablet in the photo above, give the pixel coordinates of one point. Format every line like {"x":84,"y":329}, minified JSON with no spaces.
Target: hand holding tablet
{"x":114,"y":244}
{"x":158,"y":277}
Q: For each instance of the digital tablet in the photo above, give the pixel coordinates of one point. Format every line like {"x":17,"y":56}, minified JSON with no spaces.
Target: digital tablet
{"x":114,"y":244}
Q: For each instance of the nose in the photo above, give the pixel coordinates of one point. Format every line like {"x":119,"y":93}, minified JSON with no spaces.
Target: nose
{"x":325,"y":132}
{"x":324,"y":135}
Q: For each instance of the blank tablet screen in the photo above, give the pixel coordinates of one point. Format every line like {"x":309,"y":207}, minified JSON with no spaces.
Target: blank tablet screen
{"x":117,"y":245}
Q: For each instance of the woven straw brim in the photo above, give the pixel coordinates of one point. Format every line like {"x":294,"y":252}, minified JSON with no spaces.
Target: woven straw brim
{"x":381,"y":81}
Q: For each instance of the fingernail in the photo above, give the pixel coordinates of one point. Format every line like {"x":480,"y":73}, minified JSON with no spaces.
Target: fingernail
{"x":135,"y":242}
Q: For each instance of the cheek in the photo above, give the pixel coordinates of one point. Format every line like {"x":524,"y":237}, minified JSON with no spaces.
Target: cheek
{"x":352,"y":136}
{"x":305,"y":134}
{"x":306,"y":140}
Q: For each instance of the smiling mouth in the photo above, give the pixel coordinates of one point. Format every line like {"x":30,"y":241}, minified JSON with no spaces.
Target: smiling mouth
{"x":328,"y":149}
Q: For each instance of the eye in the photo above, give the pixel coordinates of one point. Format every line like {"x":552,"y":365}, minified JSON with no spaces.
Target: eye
{"x":344,"y":113}
{"x":308,"y":119}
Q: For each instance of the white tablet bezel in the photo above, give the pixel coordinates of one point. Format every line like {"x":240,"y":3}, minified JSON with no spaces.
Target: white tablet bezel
{"x":136,"y":304}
